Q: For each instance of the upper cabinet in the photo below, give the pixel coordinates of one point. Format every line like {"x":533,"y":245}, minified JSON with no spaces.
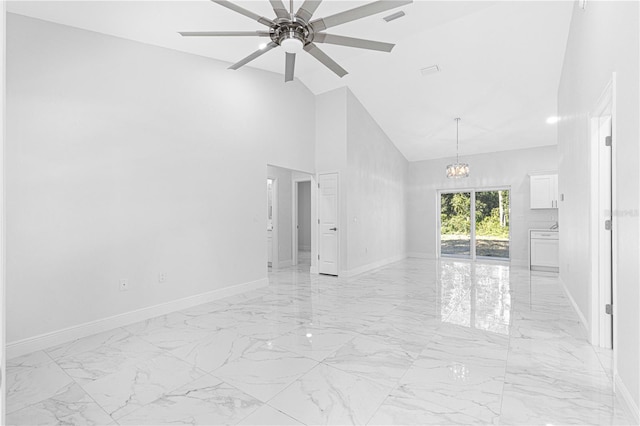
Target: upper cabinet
{"x":544,"y":191}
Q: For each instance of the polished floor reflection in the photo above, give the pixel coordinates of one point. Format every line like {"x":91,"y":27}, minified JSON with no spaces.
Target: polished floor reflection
{"x":417,"y":342}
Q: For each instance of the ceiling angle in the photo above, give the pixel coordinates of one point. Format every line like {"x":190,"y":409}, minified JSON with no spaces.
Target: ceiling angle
{"x":296,"y":32}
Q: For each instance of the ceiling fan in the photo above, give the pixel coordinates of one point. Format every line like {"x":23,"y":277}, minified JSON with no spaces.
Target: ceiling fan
{"x":295,"y":32}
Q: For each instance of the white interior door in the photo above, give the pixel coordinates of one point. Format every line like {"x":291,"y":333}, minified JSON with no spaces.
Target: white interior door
{"x":328,"y":223}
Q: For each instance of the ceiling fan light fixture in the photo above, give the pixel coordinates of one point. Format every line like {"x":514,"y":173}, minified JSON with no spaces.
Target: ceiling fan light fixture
{"x":292,"y":45}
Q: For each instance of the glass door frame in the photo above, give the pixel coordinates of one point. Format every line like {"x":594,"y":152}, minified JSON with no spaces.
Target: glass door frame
{"x":472,"y":225}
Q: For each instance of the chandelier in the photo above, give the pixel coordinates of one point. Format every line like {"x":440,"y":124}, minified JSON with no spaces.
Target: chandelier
{"x":457,"y":170}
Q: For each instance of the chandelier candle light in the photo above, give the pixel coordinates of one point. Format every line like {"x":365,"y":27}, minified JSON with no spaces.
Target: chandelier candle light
{"x":458,"y":169}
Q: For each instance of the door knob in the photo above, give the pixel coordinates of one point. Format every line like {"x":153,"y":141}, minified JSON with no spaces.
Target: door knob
{"x":333,"y":229}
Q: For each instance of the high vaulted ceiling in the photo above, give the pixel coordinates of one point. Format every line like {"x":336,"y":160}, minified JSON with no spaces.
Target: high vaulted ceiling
{"x":500,"y":62}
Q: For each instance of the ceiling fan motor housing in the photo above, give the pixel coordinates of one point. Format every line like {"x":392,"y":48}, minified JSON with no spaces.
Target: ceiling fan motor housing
{"x":291,"y":35}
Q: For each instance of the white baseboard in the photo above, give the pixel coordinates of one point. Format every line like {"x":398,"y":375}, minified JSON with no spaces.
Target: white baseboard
{"x":47,"y":340}
{"x":577,"y":310}
{"x":626,"y":398}
{"x":374,"y":265}
{"x":313,"y":269}
{"x":420,"y":255}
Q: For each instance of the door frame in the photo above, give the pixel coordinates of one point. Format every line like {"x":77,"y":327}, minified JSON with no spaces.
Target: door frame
{"x":601,"y":294}
{"x":275,"y":246}
{"x":472,"y":213}
{"x":294,"y":215}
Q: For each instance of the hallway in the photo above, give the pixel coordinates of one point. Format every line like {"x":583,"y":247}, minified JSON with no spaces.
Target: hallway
{"x":416,"y":342}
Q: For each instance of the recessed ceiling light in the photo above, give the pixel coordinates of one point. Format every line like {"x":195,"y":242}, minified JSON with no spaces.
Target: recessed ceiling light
{"x":394,"y":16}
{"x":262,"y":46}
{"x":553,"y":119}
{"x":430,"y":70}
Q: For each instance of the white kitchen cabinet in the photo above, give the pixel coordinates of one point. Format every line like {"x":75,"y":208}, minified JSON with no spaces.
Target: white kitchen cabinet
{"x":544,"y":191}
{"x":544,"y":250}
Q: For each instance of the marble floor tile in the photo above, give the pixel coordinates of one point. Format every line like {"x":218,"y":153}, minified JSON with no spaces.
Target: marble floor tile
{"x":29,"y":384}
{"x":136,"y":385}
{"x":88,"y":343}
{"x":327,"y":396}
{"x":268,"y":416}
{"x":372,"y":358}
{"x":70,"y":406}
{"x":528,"y":397}
{"x":213,"y":350}
{"x":205,"y":401}
{"x":409,"y":406}
{"x":263,"y":369}
{"x":416,"y":342}
{"x":88,"y":366}
{"x":314,"y":342}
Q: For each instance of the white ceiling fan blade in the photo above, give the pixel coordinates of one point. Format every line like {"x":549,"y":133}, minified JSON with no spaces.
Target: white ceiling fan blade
{"x":279,"y":9}
{"x":307,"y":9}
{"x":353,"y":42}
{"x":253,"y":56}
{"x":357,"y":13}
{"x":290,"y":64}
{"x":241,"y":10}
{"x":325,"y":60}
{"x":224,"y":33}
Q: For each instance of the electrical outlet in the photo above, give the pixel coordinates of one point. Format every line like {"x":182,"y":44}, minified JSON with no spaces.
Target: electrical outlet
{"x":162,"y":277}
{"x":124,"y":284}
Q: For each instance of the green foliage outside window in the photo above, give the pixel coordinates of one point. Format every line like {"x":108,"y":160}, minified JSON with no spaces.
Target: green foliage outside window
{"x":492,"y":214}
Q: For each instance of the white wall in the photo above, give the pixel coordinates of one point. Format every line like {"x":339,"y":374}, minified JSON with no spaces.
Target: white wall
{"x":603,"y":38}
{"x":376,"y":202}
{"x":3,"y":5}
{"x":304,"y":216}
{"x":499,"y":169}
{"x":331,"y":154}
{"x":372,"y":178}
{"x":125,"y":160}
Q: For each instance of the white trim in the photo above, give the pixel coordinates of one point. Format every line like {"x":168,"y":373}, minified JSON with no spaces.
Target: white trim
{"x":374,"y":265}
{"x":47,"y":340}
{"x":626,"y":398}
{"x":577,"y":310}
{"x":421,"y":255}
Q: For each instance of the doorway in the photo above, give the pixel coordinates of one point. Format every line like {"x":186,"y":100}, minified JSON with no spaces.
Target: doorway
{"x":602,"y":220}
{"x":289,"y":207}
{"x":475,"y":224}
{"x":302,"y":224}
{"x":272,"y":219}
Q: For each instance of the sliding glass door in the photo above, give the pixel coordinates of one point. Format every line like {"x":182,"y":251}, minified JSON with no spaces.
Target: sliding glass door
{"x":475,"y":224}
{"x":455,"y":224}
{"x":492,"y":224}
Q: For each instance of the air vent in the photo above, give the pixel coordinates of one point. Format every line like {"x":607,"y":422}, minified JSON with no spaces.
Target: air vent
{"x":394,"y":16}
{"x":430,"y":70}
